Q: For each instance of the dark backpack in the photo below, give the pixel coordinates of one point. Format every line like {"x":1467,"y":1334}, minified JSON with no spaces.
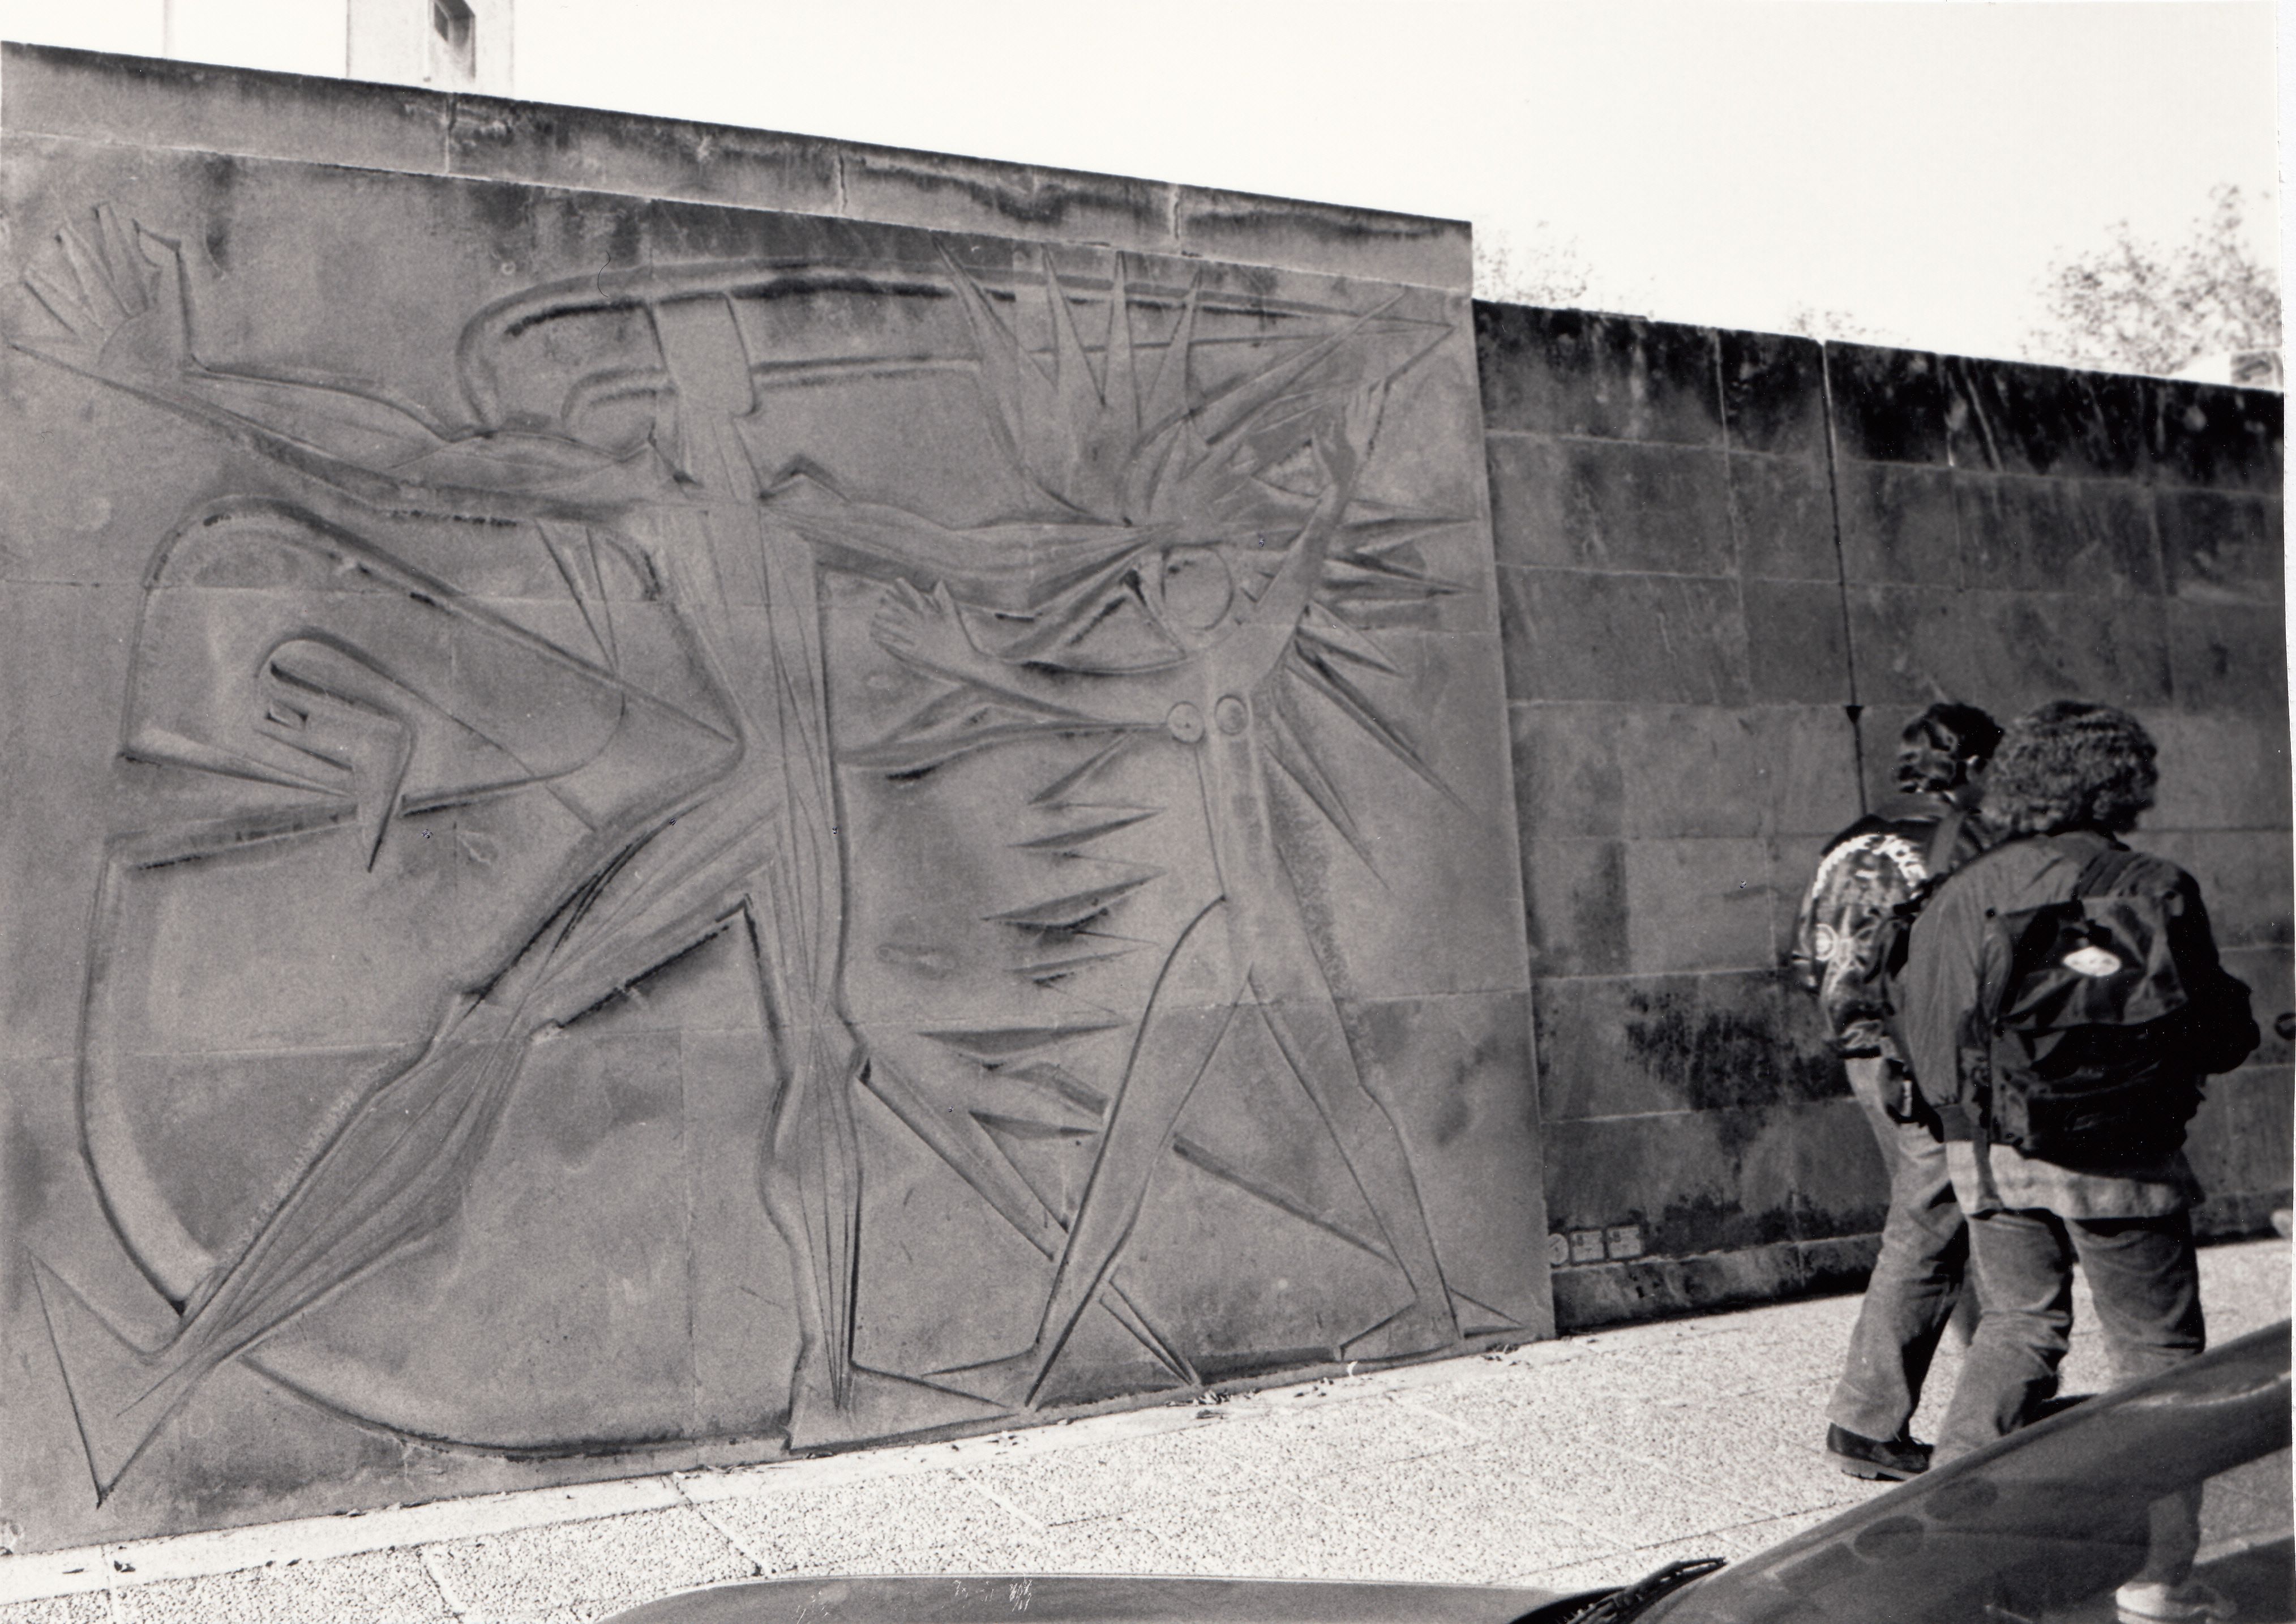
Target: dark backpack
{"x":2091,"y":1033}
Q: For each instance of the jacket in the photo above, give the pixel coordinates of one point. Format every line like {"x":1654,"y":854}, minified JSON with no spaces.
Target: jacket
{"x":1939,"y":987}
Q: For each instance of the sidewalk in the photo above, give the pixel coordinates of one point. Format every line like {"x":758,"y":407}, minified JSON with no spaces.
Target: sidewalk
{"x":1558,"y":1464}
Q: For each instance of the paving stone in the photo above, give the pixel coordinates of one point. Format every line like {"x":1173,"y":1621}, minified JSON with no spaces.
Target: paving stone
{"x":582,"y":1570}
{"x":385,"y":1587}
{"x":1461,"y":1517}
{"x":1298,"y":1450}
{"x":86,"y":1608}
{"x":784,"y":1529}
{"x":1102,"y":1481}
{"x":1579,"y":1478}
{"x":1276,"y":1535}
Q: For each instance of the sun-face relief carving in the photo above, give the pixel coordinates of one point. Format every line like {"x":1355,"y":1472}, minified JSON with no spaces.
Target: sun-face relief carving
{"x":736,"y":695}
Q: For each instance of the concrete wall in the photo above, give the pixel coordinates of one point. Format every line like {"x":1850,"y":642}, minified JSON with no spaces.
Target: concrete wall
{"x":1731,"y":566}
{"x":677,"y":794}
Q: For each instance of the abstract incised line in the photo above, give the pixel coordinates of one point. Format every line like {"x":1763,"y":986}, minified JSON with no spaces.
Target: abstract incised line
{"x":1193,"y":573}
{"x":1192,"y":627}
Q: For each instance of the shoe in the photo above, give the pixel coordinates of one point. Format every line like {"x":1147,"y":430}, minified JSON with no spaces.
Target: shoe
{"x":2153,"y":1601}
{"x":1891,"y":1460}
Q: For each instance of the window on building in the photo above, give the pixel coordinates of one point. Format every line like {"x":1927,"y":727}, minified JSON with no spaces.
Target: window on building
{"x":453,"y":43}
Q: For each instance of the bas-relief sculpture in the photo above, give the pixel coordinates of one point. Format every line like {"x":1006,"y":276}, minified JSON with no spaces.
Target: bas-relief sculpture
{"x":926,"y":906}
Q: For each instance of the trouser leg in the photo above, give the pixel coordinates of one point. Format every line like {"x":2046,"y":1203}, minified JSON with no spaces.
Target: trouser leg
{"x":1917,"y":1279}
{"x":2145,"y":1280}
{"x":2022,"y":1262}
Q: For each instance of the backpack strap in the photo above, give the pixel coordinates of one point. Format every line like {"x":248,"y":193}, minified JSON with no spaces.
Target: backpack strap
{"x":2101,"y":873}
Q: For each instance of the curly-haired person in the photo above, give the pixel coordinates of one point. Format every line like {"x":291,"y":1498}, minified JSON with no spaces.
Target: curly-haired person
{"x":2068,"y":780}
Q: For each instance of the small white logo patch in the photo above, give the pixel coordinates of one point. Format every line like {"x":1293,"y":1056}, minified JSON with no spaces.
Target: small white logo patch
{"x":2092,"y":962}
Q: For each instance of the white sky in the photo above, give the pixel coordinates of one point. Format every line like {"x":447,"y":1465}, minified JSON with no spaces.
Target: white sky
{"x":1916,"y":166}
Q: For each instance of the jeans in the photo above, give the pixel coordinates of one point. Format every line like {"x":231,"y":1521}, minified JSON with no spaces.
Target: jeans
{"x":1916,"y":1284}
{"x":2143,"y":1275}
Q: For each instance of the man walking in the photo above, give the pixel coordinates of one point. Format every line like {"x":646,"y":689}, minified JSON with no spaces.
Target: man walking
{"x":2062,"y":1000}
{"x":1872,"y":876}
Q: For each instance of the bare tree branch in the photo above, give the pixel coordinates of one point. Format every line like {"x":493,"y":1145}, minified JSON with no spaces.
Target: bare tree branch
{"x":2143,"y":307}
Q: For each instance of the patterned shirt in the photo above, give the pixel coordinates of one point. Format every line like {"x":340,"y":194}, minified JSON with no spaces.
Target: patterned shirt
{"x":1872,"y":868}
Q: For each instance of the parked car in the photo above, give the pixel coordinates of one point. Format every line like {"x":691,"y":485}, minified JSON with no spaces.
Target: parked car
{"x":2038,"y":1529}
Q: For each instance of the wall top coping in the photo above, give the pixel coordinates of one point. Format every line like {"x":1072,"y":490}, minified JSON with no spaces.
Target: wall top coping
{"x":131,"y":101}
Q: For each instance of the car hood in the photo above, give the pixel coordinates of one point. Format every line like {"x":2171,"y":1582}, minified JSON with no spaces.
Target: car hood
{"x":1085,"y":1599}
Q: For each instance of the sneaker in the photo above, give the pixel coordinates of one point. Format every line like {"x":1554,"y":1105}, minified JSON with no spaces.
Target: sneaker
{"x":2150,"y":1600}
{"x":1891,"y":1460}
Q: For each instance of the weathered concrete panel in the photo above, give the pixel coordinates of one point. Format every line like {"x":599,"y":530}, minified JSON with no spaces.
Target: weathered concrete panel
{"x":1631,"y":1046}
{"x":1797,"y":643}
{"x":1640,"y":770}
{"x":1611,"y":378}
{"x":2222,"y":547}
{"x":2086,"y":538}
{"x":1781,"y":510}
{"x":2003,"y":418}
{"x":1582,"y":634}
{"x":1615,"y":505}
{"x":2228,"y":656}
{"x":1900,"y":523}
{"x":145,"y":101}
{"x":1888,"y":405}
{"x":652,"y":833}
{"x":491,"y":138}
{"x":1774,"y":394}
{"x":2220,"y":439}
{"x":1905,"y":528}
{"x":1915,"y":644}
{"x":1407,"y":248}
